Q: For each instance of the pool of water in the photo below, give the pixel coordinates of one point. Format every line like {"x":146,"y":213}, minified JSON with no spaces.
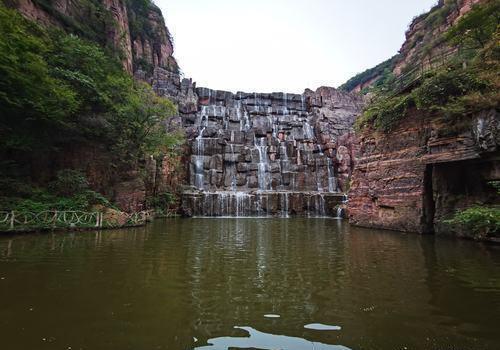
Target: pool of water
{"x":220,"y":284}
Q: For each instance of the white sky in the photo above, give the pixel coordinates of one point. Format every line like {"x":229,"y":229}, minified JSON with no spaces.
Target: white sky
{"x":285,"y":45}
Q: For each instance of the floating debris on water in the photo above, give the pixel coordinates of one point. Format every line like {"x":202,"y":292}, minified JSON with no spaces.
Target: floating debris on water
{"x":322,"y":327}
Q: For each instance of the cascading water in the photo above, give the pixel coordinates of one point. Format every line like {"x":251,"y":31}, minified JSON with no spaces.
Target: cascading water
{"x":308,"y":131}
{"x":258,"y":154}
{"x":233,"y":170}
{"x":199,"y":161}
{"x":332,"y":180}
{"x":320,"y":205}
{"x":284,"y":204}
{"x":262,"y":165}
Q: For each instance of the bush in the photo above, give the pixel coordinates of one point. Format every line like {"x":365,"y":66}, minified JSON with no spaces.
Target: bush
{"x":161,"y":202}
{"x":385,"y":112}
{"x":442,"y":87}
{"x":69,"y":182}
{"x":477,"y":222}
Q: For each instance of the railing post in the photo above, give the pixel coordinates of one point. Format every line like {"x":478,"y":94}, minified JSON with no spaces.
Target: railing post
{"x":12,"y":217}
{"x":54,"y":219}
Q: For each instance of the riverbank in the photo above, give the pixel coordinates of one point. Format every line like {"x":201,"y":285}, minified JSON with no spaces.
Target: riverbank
{"x":107,"y":218}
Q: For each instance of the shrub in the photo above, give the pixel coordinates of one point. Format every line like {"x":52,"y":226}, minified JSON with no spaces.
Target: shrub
{"x":444,"y":86}
{"x":477,"y":222}
{"x":385,"y":112}
{"x":161,"y":202}
{"x":69,"y":182}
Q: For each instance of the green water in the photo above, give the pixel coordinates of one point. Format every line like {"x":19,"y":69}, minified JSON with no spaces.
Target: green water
{"x":187,"y":283}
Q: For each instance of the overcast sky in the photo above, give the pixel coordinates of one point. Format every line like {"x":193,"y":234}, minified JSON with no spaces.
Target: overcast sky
{"x":285,"y":45}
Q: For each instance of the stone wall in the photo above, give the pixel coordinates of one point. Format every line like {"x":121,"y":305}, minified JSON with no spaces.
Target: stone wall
{"x":249,"y":143}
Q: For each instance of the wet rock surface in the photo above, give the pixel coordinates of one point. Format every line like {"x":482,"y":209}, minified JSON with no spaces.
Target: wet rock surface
{"x":244,"y":143}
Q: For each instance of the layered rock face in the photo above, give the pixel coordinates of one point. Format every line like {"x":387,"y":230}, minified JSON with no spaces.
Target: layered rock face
{"x":142,"y":51}
{"x":427,"y":167}
{"x":418,"y":175}
{"x":269,"y":153}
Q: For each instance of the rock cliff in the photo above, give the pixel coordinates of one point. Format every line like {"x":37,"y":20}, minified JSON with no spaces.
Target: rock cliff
{"x":414,"y":178}
{"x":135,"y":29}
{"x":421,"y":46}
{"x":430,"y":163}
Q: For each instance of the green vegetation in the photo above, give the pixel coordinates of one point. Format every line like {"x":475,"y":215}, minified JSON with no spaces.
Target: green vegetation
{"x":69,"y":191}
{"x":477,"y":222}
{"x":467,"y":83}
{"x":162,"y":203}
{"x":58,"y":90}
{"x":90,"y":22}
{"x":382,"y":73}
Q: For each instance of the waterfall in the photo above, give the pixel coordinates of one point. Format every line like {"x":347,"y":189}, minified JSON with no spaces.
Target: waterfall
{"x":233,"y":175}
{"x":332,"y":180}
{"x":261,"y":139}
{"x":345,"y":199}
{"x":284,"y":205}
{"x":199,"y":161}
{"x":246,"y":120}
{"x":243,"y":119}
{"x":285,"y":103}
{"x":243,"y":203}
{"x":262,"y":165}
{"x":340,"y":212}
{"x":318,"y":177}
{"x":308,"y":131}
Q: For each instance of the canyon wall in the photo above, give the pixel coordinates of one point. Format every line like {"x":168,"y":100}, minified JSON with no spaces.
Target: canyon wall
{"x":428,"y":165}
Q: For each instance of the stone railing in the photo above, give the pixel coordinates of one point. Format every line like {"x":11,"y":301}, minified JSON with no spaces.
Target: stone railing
{"x":29,"y":221}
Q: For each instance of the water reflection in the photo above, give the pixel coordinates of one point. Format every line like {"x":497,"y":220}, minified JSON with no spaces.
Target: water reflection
{"x":265,"y":341}
{"x":158,"y":287}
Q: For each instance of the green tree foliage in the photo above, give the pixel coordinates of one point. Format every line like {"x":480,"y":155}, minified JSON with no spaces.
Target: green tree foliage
{"x":444,"y":86}
{"x":31,"y":98}
{"x":381,"y":72}
{"x":58,"y":89}
{"x":477,"y":27}
{"x":55,"y":86}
